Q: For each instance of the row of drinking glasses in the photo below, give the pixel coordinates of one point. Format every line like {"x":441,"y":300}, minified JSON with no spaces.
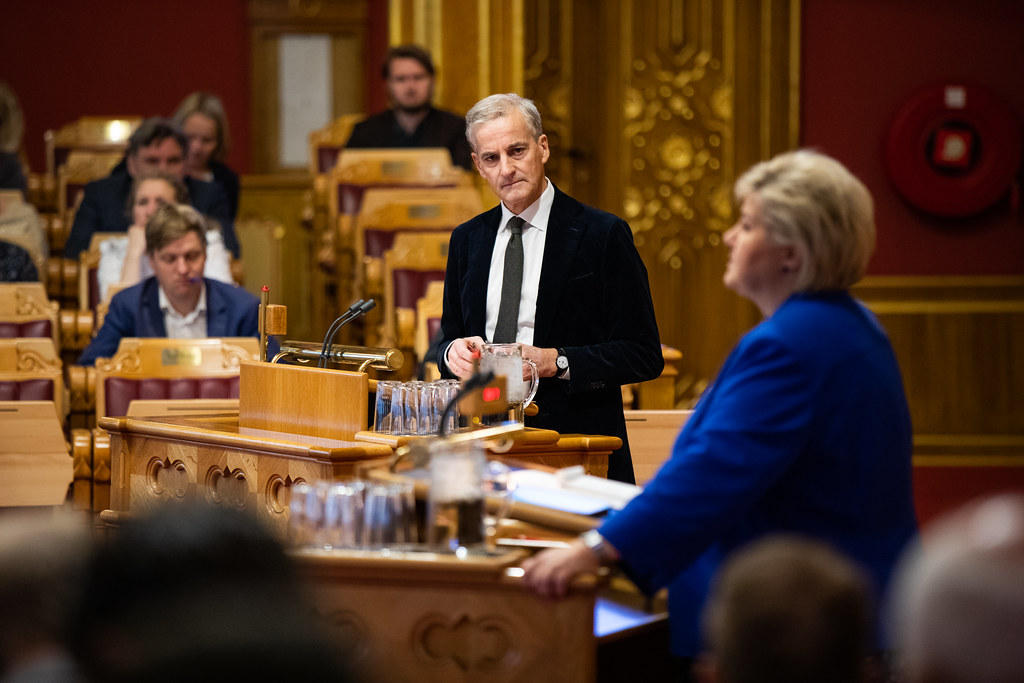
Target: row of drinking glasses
{"x":352,"y":514}
{"x":414,"y":408}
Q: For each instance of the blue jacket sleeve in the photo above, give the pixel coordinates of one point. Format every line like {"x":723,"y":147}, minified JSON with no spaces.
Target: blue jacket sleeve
{"x":748,"y":428}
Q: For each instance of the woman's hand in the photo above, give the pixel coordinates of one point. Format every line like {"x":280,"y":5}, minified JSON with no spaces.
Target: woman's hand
{"x":549,"y":573}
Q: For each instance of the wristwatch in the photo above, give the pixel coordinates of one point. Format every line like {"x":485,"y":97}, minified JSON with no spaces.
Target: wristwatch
{"x":595,"y":543}
{"x":562,"y":363}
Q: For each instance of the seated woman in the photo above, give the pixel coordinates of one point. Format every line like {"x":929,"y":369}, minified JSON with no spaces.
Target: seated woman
{"x":122,"y":261}
{"x":201,"y":115}
{"x":805,"y":431}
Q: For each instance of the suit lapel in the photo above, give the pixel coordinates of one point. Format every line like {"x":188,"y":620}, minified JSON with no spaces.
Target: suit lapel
{"x":563,"y":239}
{"x":481,"y":246}
{"x":152,"y":323}
{"x":216,"y":313}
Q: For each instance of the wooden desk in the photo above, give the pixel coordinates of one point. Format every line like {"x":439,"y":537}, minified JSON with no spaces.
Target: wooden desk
{"x":155,"y":459}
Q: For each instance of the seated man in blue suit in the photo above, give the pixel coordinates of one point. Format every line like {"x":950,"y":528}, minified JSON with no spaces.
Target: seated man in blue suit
{"x":177,"y":301}
{"x":156,"y":145}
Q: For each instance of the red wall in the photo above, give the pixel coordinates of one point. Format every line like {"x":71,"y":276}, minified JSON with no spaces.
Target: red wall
{"x":66,"y":59}
{"x":862,"y":59}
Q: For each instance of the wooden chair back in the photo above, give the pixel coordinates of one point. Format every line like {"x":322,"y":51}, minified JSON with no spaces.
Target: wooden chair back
{"x":413,"y":262}
{"x":159,"y":368}
{"x":387,"y":212}
{"x":428,"y":321}
{"x":325,"y":145}
{"x":25,"y":311}
{"x":89,"y":133}
{"x":89,"y":264}
{"x":31,"y":370}
{"x":79,"y":169}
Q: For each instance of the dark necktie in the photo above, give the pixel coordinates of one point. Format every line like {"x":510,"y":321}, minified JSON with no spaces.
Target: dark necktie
{"x":511,"y":285}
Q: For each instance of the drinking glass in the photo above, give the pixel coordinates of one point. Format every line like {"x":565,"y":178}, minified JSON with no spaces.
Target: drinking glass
{"x":455,"y":506}
{"x":343,"y":515}
{"x":384,"y":408}
{"x":388,"y":516}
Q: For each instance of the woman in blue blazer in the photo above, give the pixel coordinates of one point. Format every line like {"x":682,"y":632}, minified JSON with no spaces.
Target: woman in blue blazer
{"x":805,"y":431}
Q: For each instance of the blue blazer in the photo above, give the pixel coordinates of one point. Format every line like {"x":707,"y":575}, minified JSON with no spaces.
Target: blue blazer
{"x":135,"y":312}
{"x":806,"y":430}
{"x":104,"y":208}
{"x":594,"y":302}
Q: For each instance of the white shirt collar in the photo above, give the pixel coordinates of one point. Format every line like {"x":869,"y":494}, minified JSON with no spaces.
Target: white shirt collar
{"x":167,"y":309}
{"x":536,"y":214}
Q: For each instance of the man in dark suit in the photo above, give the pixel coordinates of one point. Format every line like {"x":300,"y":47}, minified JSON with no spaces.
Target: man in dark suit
{"x":177,"y":301}
{"x":412,"y":120}
{"x":156,"y":145}
{"x":583,"y":312}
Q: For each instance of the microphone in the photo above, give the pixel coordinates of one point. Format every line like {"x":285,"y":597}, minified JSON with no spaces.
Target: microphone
{"x":357,"y":309}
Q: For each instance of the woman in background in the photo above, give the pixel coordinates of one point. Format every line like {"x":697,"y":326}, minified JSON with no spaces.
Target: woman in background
{"x":806,"y":429}
{"x":123,"y":261}
{"x":202,"y":118}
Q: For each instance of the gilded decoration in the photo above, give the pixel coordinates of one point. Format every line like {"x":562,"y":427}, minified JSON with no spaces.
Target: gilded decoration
{"x":677,"y":118}
{"x":28,"y":303}
{"x":33,"y":361}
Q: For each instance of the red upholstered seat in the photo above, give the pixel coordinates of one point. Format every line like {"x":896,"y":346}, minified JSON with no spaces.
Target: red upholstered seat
{"x":29,"y":328}
{"x":410,"y":285}
{"x":121,"y":391}
{"x":26,"y":390}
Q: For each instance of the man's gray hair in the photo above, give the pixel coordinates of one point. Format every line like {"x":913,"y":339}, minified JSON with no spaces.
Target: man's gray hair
{"x":496,"y":106}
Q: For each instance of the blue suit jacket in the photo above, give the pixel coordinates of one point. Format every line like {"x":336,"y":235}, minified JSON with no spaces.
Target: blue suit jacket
{"x":135,"y":312}
{"x":104,"y":208}
{"x":594,"y":302}
{"x":806,"y":430}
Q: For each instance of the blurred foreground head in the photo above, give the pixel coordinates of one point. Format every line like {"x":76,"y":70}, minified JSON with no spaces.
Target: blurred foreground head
{"x":958,"y":610}
{"x":788,"y":609}
{"x":199,"y":593}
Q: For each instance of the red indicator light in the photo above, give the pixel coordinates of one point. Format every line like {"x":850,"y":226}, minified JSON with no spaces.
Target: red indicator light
{"x":491,"y":394}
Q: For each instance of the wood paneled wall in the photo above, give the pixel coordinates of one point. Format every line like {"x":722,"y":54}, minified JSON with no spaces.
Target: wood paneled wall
{"x":960,"y":344}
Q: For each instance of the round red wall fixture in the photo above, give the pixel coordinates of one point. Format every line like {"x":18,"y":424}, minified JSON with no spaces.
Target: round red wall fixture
{"x":953,"y":149}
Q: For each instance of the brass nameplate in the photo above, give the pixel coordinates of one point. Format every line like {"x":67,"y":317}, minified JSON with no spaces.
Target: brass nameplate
{"x":188,"y":355}
{"x":393,"y":168}
{"x":424,"y":211}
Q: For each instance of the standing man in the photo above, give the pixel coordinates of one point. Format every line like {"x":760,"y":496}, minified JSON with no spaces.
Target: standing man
{"x":559,"y":277}
{"x":412,"y":120}
{"x":157,"y":145}
{"x":177,"y":301}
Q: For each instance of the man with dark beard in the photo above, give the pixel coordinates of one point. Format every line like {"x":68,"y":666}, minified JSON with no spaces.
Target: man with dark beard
{"x":412,"y":120}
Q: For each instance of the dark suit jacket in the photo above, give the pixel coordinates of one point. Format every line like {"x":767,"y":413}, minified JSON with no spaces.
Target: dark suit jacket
{"x":439,"y":129}
{"x":594,"y":303}
{"x":105,"y":209}
{"x":135,"y":312}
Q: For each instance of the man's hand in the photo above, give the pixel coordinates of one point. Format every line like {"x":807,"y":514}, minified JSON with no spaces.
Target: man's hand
{"x":462,"y":354}
{"x":544,"y":358}
{"x":549,"y":573}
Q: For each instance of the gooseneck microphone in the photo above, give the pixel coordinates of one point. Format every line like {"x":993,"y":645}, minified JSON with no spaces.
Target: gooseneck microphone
{"x":357,"y":309}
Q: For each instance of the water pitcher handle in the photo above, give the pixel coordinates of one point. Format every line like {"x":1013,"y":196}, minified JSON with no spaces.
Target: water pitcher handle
{"x":534,"y":382}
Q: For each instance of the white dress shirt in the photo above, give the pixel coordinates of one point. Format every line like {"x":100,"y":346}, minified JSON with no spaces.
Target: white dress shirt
{"x":191,"y":326}
{"x":534,"y":234}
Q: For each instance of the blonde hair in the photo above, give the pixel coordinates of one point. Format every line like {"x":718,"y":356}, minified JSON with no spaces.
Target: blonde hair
{"x":813,"y":203}
{"x":208,"y":105}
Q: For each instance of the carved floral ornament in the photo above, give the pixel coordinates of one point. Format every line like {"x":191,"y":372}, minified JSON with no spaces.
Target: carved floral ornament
{"x":27,"y":303}
{"x":32,"y":361}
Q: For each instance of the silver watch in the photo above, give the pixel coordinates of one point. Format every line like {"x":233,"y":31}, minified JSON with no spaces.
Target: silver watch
{"x":594,"y":542}
{"x":562,"y":363}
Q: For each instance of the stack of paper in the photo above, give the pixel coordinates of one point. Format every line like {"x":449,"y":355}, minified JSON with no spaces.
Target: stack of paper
{"x":571,"y":490}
